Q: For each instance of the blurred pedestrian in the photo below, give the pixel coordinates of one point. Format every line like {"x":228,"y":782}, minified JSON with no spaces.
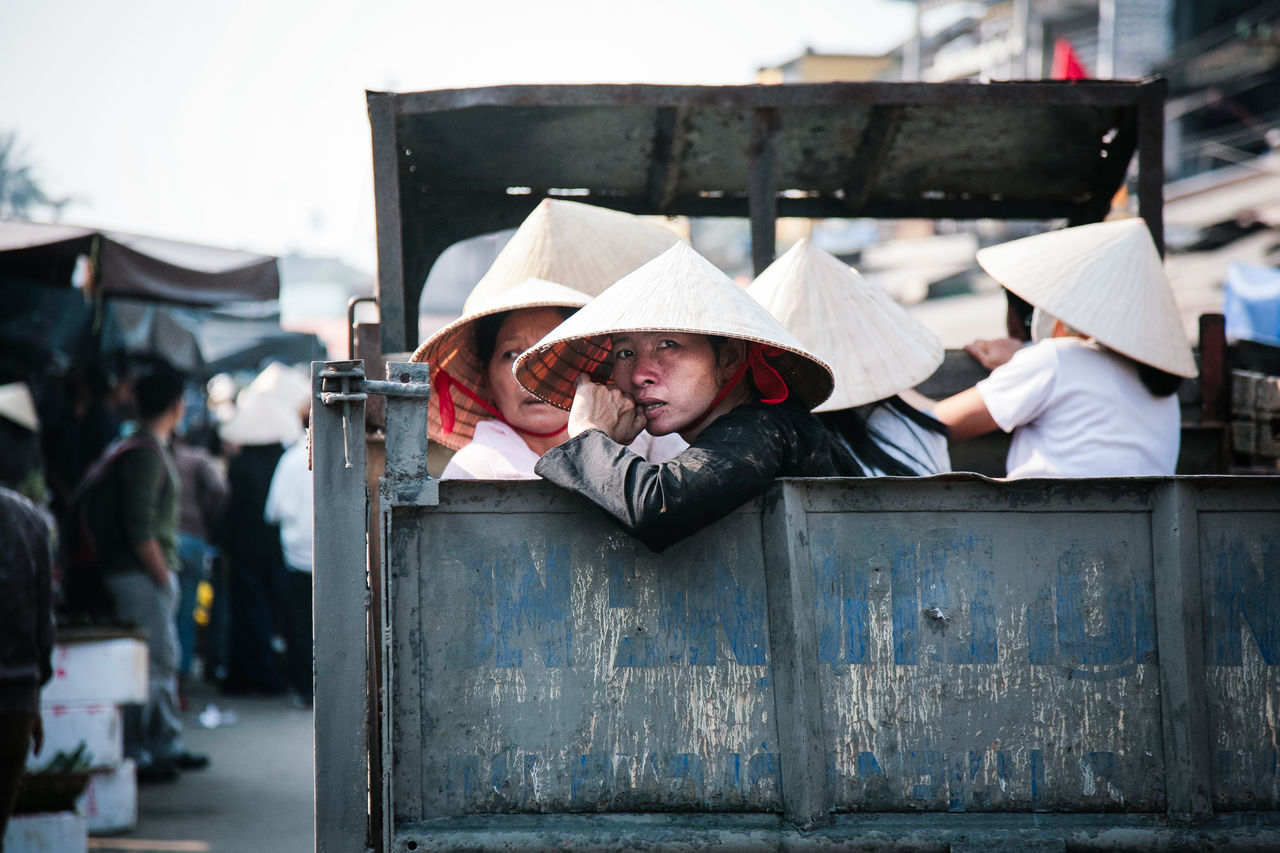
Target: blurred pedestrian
{"x":255,"y":440}
{"x":26,"y":638}
{"x":21,"y":466}
{"x":289,"y":505}
{"x":141,"y":576}
{"x":204,"y":496}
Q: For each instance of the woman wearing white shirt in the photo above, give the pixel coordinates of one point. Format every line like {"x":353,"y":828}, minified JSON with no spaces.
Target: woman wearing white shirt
{"x":499,"y":429}
{"x":1095,"y":395}
{"x":477,"y":407}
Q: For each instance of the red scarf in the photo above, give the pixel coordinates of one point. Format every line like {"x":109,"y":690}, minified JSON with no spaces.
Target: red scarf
{"x":768,"y":381}
{"x":445,"y":385}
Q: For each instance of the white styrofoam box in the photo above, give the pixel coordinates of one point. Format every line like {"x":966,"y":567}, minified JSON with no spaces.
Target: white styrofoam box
{"x":98,"y":726}
{"x":107,"y":672}
{"x":110,"y":801}
{"x":47,"y":832}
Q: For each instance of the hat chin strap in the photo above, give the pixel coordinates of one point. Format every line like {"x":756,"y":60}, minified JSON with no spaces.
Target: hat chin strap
{"x":449,"y":417}
{"x":768,"y":381}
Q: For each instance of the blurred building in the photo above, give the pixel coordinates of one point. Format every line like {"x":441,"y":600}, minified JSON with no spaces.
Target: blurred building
{"x":1221,"y":58}
{"x":814,"y":67}
{"x":314,"y":292}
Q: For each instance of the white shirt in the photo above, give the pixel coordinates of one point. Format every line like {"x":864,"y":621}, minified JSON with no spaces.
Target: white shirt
{"x":497,"y":452}
{"x":1079,"y":410}
{"x":921,"y":450}
{"x":289,"y":504}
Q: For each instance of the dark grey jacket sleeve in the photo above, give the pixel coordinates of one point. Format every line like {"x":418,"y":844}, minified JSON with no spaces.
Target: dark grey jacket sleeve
{"x":735,"y":459}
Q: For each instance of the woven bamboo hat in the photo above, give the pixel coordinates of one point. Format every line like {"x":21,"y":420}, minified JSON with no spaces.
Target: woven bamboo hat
{"x":679,"y":291}
{"x":577,"y":245}
{"x":17,"y":405}
{"x":875,"y":347}
{"x":287,"y":385}
{"x":261,"y":419}
{"x":1104,"y":279}
{"x":453,"y":350}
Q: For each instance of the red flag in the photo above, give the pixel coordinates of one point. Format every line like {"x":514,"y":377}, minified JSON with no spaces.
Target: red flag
{"x":1066,"y":65}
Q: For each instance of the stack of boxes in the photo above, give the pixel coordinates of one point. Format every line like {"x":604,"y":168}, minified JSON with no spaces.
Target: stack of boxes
{"x":95,"y":672}
{"x":1255,"y":417}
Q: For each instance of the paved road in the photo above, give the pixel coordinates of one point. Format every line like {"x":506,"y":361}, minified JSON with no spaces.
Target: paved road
{"x":255,"y":797}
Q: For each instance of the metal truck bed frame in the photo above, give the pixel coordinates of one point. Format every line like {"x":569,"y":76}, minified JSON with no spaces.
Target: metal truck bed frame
{"x":930,"y":663}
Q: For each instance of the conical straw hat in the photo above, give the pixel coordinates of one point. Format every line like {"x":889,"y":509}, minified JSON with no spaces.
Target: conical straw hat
{"x":875,"y":347}
{"x":453,"y":349}
{"x":287,"y":385}
{"x":1104,"y":279}
{"x":679,"y":291}
{"x":577,"y":245}
{"x":16,"y":405}
{"x":261,"y":419}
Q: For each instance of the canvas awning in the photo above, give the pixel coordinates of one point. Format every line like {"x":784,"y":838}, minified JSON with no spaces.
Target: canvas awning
{"x":135,"y":266}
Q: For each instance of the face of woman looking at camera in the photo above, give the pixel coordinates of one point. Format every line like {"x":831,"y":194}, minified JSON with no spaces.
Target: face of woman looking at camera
{"x":520,"y":330}
{"x":674,"y":376}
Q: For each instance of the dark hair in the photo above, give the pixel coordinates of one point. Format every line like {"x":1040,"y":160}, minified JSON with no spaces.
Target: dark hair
{"x":487,"y":330}
{"x":157,"y":391}
{"x":1017,"y":319}
{"x":1159,"y":383}
{"x":868,"y":446}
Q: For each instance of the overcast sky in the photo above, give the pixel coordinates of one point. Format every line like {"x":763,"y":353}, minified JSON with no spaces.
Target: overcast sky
{"x":242,"y":123}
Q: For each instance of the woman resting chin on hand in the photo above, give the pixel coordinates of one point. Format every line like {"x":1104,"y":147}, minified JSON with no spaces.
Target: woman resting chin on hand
{"x":686,"y":352}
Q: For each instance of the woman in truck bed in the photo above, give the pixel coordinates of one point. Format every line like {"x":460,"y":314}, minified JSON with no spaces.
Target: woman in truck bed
{"x":683,"y":350}
{"x":1094,"y":396}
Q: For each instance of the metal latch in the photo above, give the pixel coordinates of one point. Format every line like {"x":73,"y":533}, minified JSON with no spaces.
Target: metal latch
{"x":343,"y":383}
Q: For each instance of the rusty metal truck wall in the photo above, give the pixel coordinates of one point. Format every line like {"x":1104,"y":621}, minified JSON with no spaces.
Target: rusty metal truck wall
{"x":938,"y":645}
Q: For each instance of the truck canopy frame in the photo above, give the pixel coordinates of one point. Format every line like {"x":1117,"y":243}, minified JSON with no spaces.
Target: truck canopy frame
{"x":456,"y":163}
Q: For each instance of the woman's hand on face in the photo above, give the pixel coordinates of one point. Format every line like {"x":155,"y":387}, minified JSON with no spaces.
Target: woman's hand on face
{"x":604,"y":408}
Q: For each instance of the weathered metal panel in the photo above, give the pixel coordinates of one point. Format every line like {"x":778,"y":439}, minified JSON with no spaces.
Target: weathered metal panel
{"x":552,"y":664}
{"x":988,"y":661}
{"x":1241,"y":572}
{"x":973,"y":646}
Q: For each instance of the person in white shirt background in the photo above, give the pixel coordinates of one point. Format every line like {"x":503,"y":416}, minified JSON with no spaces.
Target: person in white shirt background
{"x":1095,"y":395}
{"x":290,"y":501}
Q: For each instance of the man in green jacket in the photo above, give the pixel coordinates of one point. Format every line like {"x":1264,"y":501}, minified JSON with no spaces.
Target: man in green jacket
{"x":141,"y":573}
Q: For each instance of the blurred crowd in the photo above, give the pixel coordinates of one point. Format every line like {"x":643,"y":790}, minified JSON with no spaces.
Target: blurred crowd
{"x":181,"y":508}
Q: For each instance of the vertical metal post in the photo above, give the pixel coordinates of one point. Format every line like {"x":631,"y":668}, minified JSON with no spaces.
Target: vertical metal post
{"x":396,"y":316}
{"x":404,"y":483}
{"x":341,"y":746}
{"x":1151,"y":158}
{"x":1215,"y":380}
{"x":1184,"y":710}
{"x":793,"y":650}
{"x":762,"y":187}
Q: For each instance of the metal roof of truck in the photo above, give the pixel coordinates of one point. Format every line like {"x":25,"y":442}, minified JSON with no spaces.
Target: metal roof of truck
{"x":452,"y":164}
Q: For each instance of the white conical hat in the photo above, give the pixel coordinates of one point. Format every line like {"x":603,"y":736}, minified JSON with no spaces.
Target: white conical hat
{"x":261,"y":419}
{"x":16,"y":405}
{"x":679,"y":291}
{"x":875,"y":347}
{"x":453,"y":349}
{"x":1105,"y":280}
{"x":287,"y":385}
{"x":577,"y":245}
